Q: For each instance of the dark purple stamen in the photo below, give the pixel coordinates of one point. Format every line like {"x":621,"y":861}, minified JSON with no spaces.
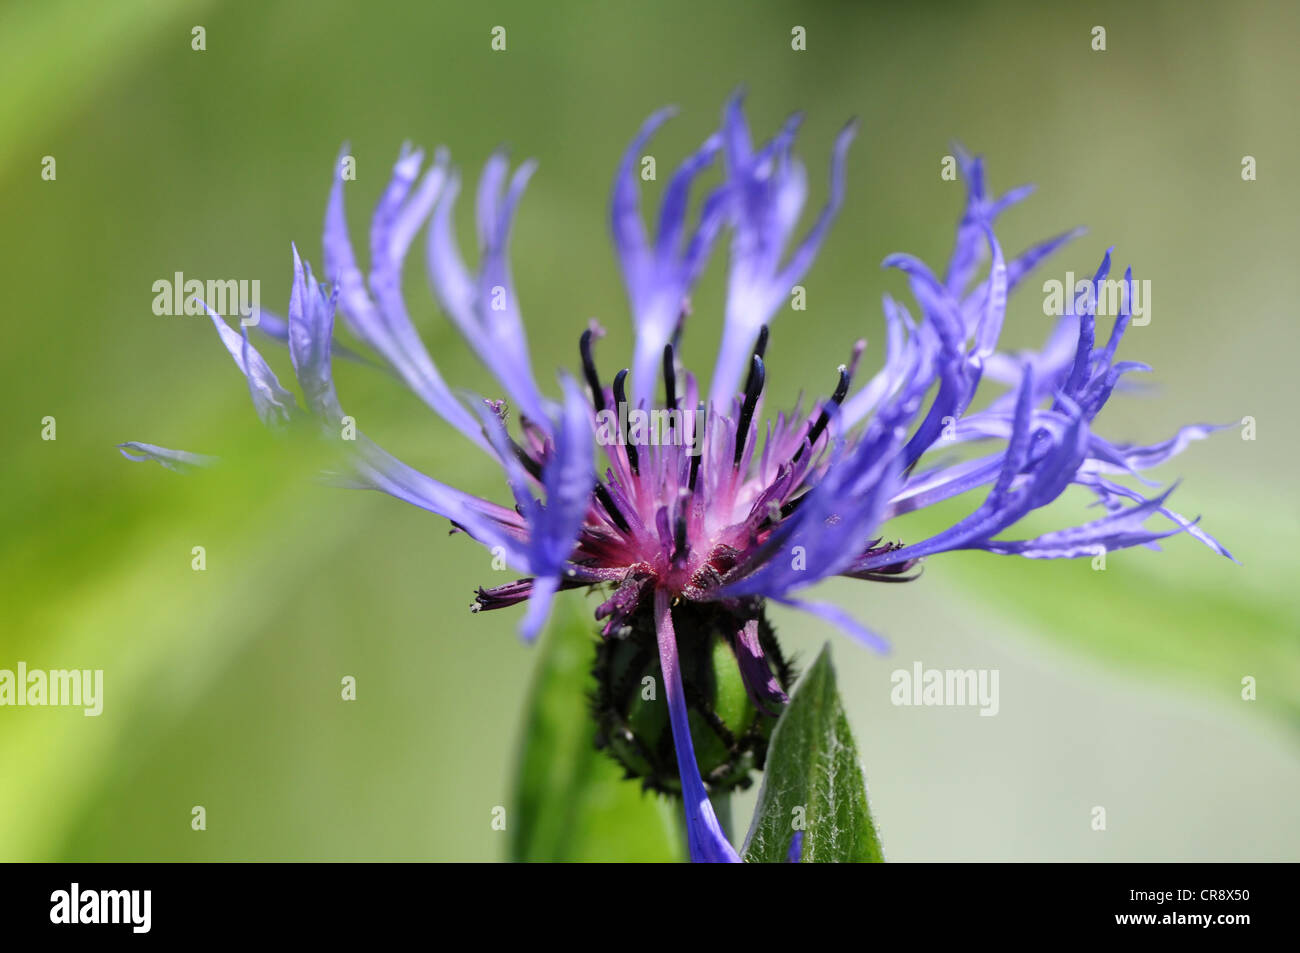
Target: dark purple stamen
{"x":532,"y":466}
{"x":598,"y":399}
{"x":789,"y":506}
{"x":679,"y":538}
{"x":670,"y":378}
{"x":607,"y":501}
{"x":620,"y":399}
{"x":512,"y":593}
{"x":589,"y":371}
{"x":753,"y":388}
{"x":695,"y":471}
{"x":837,"y":398}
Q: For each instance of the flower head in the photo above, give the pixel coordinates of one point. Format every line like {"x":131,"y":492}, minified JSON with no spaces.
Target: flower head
{"x":703,"y":509}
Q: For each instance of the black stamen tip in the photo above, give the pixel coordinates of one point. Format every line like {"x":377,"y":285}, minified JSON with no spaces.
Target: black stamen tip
{"x":760,"y":349}
{"x":607,"y":501}
{"x":697,"y":452}
{"x":824,"y":418}
{"x":842,"y":388}
{"x":532,"y":466}
{"x":753,"y":388}
{"x":589,"y":371}
{"x":670,"y":378}
{"x":620,"y":398}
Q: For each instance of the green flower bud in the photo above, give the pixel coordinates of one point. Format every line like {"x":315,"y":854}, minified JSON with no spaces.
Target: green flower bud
{"x":631,"y":707}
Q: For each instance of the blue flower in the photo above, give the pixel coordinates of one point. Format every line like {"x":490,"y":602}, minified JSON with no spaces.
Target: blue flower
{"x":691,"y":533}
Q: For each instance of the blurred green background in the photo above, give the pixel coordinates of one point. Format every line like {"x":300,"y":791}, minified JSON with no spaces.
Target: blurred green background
{"x":1118,"y":688}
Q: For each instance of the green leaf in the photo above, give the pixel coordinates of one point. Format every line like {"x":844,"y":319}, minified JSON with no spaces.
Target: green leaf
{"x":571,"y":800}
{"x":813,"y":774}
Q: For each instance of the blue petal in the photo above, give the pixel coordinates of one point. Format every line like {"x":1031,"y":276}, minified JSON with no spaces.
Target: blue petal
{"x":659,"y":276}
{"x":484,"y":306}
{"x":383,"y":323}
{"x":311,"y":329}
{"x":277,"y":329}
{"x":838,"y":617}
{"x":275,"y":406}
{"x":705,"y":837}
{"x":179,"y":461}
{"x":567,"y":478}
{"x":1119,"y":530}
{"x":767,"y":193}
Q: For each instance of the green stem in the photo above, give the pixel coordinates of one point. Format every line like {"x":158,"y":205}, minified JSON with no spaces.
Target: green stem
{"x":722,"y":805}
